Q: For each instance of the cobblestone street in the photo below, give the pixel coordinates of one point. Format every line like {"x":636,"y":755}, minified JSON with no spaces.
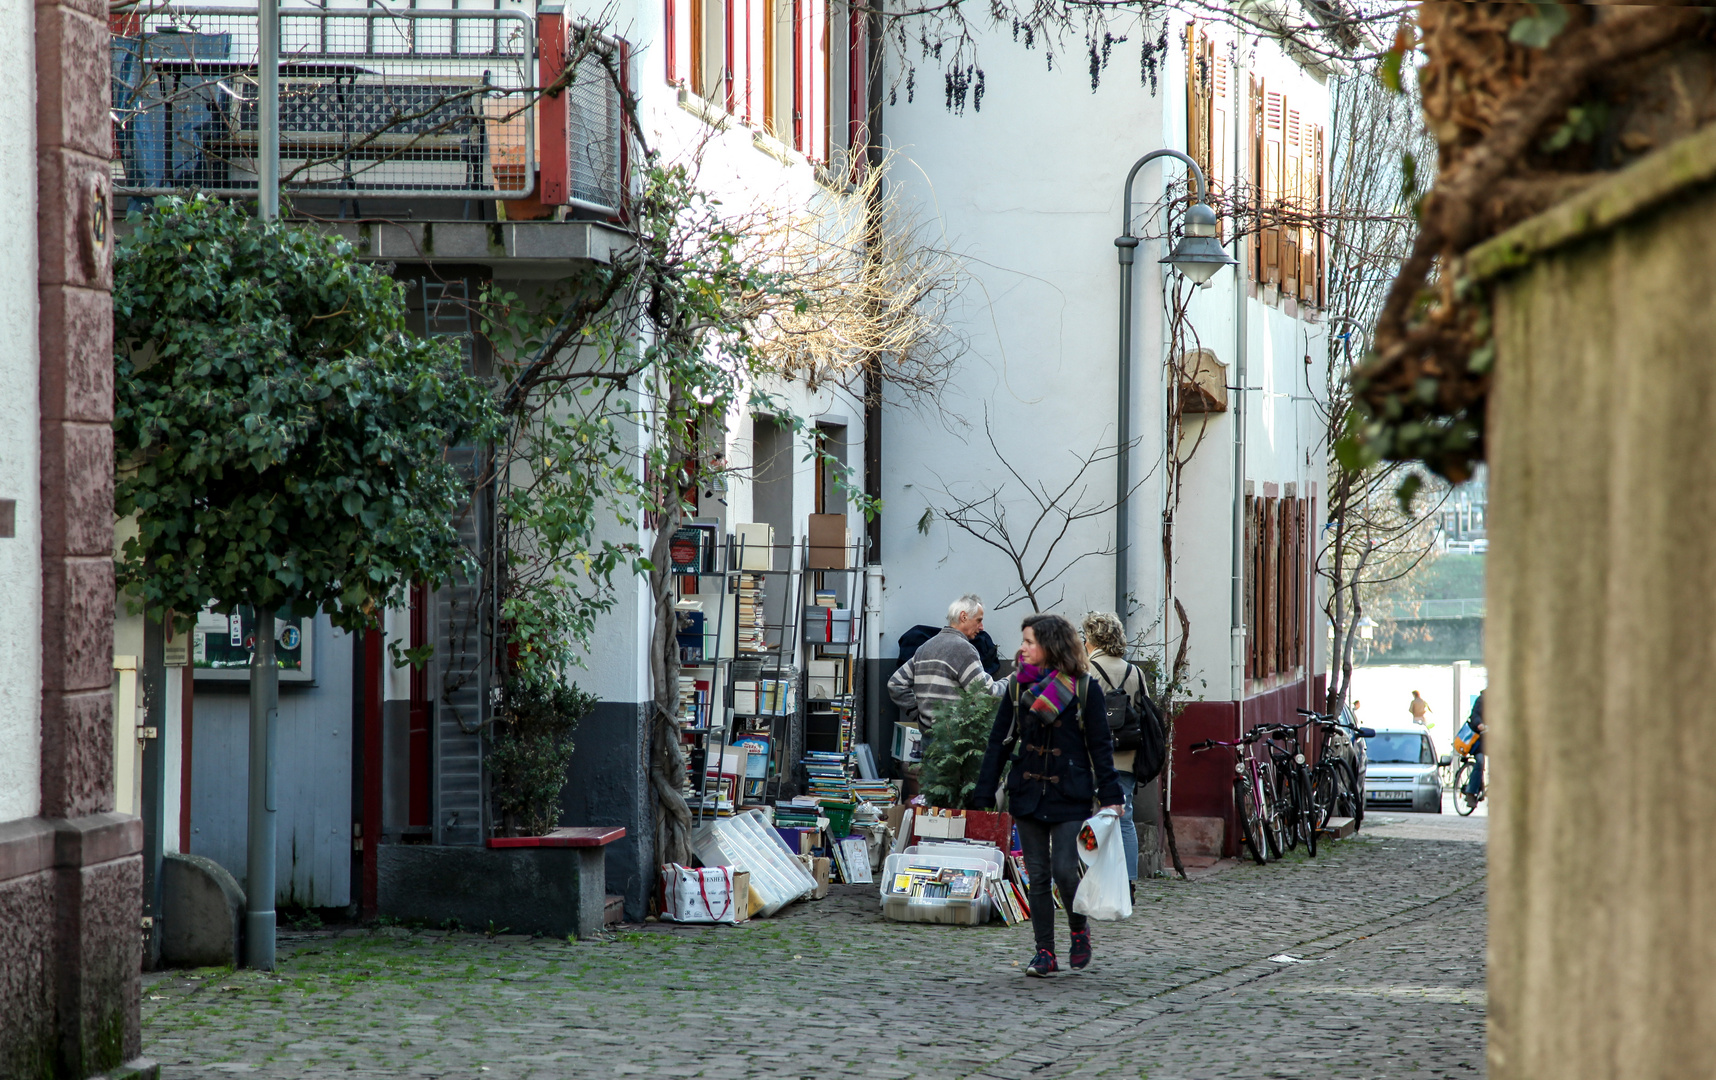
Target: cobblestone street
{"x":1365,"y":962}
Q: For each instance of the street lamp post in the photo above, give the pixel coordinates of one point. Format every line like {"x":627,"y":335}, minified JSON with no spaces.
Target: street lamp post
{"x":1198,"y":255}
{"x":264,"y":674}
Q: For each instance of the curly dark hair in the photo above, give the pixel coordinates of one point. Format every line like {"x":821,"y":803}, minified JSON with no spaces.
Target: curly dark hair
{"x":1059,"y":641}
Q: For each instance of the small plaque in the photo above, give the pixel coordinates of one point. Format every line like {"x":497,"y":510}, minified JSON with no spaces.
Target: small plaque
{"x":8,"y":518}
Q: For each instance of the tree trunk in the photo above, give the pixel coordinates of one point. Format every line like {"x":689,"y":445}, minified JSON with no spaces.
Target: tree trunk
{"x":667,"y":756}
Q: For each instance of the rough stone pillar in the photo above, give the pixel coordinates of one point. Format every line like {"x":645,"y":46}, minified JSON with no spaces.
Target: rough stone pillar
{"x":70,"y":877}
{"x":1602,"y":630}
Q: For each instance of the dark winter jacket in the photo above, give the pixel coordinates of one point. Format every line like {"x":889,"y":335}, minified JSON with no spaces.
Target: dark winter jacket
{"x":1061,"y":769}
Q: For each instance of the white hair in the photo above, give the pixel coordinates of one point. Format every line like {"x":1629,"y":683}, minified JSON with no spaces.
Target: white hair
{"x":969,"y":604}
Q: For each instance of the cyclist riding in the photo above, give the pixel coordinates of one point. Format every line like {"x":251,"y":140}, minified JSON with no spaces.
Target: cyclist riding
{"x":1473,"y":789}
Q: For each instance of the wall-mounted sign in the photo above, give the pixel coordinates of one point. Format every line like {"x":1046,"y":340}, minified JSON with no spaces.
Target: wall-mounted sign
{"x":221,"y":646}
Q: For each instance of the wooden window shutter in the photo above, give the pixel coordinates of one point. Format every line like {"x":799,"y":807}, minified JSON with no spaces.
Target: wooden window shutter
{"x":1321,"y":267}
{"x":1271,"y":598}
{"x":1197,"y":115}
{"x":1254,"y":169}
{"x":1274,"y":116}
{"x":1292,"y":157}
{"x":670,"y":37}
{"x":1250,"y":588}
{"x":1221,"y":133}
{"x":1310,"y":192}
{"x":694,"y":61}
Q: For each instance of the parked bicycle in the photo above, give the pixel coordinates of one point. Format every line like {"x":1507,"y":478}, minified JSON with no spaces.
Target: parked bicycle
{"x":1253,"y":785}
{"x":1293,"y":794}
{"x":1465,"y":802}
{"x":1336,"y":784}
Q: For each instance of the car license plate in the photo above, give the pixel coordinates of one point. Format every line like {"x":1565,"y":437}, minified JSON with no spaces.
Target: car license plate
{"x":1391,"y":796}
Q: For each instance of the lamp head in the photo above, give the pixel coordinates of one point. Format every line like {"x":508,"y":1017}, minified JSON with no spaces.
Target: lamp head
{"x":1199,"y":253}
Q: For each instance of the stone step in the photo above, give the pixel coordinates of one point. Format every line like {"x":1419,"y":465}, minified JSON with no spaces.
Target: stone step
{"x":1339,"y":828}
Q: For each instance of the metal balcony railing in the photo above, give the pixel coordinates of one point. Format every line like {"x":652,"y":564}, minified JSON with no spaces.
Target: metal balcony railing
{"x":373,"y":102}
{"x":1427,"y":609}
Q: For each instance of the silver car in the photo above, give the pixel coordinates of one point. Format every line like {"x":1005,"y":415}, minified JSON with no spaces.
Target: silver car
{"x":1403,"y":770}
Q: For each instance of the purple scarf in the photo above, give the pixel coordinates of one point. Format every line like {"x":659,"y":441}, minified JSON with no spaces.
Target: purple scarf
{"x":1046,"y":691}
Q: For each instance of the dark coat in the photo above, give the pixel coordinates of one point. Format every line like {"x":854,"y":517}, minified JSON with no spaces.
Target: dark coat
{"x":1061,"y":769}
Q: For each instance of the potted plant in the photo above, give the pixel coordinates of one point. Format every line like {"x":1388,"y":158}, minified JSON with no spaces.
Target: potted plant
{"x":953,"y":757}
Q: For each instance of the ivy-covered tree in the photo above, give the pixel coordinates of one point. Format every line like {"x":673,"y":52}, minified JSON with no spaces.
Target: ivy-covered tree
{"x":280,"y":435}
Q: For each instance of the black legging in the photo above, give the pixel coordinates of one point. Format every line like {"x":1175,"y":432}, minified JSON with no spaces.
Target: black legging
{"x":1051,"y":849}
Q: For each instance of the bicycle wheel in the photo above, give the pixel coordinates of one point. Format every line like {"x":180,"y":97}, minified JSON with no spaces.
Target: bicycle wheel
{"x":1461,"y":777}
{"x":1307,"y":808}
{"x":1274,"y":828}
{"x":1287,"y":799}
{"x":1323,"y":794}
{"x":1250,"y":826}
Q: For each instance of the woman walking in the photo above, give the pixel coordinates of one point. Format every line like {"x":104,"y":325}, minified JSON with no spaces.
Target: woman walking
{"x":1105,"y":641}
{"x":1053,"y":728}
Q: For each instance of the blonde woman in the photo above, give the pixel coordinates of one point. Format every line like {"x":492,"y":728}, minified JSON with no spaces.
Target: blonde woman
{"x":1105,"y":641}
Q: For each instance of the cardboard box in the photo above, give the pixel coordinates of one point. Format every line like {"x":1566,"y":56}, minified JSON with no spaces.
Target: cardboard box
{"x":828,"y":626}
{"x":754,"y":545}
{"x":827,"y":542}
{"x":753,"y":902}
{"x":819,"y":868}
{"x":936,"y":827}
{"x":896,"y":814}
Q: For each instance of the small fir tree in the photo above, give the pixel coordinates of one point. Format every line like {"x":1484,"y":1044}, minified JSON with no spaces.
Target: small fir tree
{"x":954,"y":746}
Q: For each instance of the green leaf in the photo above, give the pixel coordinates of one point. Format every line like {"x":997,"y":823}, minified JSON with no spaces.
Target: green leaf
{"x":1539,"y":28}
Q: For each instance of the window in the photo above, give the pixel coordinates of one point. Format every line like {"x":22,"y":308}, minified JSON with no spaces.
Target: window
{"x":1209,"y":103}
{"x":711,"y":51}
{"x":1277,"y":547}
{"x":780,"y":68}
{"x":1287,"y":161}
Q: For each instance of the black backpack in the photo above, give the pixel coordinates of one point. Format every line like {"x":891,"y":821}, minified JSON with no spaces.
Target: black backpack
{"x":1135,"y":728}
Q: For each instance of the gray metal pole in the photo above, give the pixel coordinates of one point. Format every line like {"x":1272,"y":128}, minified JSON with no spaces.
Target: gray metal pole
{"x":1127,"y":246}
{"x":268,"y":109}
{"x":259,"y":876}
{"x":154,"y":794}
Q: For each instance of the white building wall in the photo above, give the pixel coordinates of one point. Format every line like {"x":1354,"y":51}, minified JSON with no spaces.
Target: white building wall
{"x":20,"y":555}
{"x":1028,"y":191}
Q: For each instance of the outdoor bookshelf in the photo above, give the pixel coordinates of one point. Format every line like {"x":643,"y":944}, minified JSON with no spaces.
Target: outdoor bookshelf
{"x":740,"y":689}
{"x":832,"y":603}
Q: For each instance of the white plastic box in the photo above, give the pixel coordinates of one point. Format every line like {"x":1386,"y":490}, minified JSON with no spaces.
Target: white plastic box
{"x":899,"y":906}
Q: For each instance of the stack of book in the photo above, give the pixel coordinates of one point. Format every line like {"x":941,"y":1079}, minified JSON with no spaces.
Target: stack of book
{"x":829,"y":775}
{"x":797,"y":815}
{"x":763,"y":697}
{"x":693,"y":704}
{"x":749,"y":628}
{"x":937,"y":882}
{"x":880,"y":792}
{"x":1009,"y":901}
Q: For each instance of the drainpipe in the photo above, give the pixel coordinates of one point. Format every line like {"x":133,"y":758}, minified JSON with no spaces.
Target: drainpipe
{"x":1241,"y":339}
{"x":1127,"y":246}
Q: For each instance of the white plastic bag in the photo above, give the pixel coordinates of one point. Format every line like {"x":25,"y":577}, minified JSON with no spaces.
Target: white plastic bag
{"x":1102,"y":892}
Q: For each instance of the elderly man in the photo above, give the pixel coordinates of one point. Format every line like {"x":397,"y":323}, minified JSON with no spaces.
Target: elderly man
{"x":943,"y":666}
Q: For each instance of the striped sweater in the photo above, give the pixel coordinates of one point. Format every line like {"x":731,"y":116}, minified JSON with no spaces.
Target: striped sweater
{"x":942,"y":667}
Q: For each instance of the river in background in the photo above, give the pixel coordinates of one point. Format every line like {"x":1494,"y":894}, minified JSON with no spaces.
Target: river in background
{"x":1382,"y":693}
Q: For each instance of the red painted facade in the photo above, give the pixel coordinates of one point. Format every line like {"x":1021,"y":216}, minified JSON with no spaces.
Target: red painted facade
{"x":1202,"y":784}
